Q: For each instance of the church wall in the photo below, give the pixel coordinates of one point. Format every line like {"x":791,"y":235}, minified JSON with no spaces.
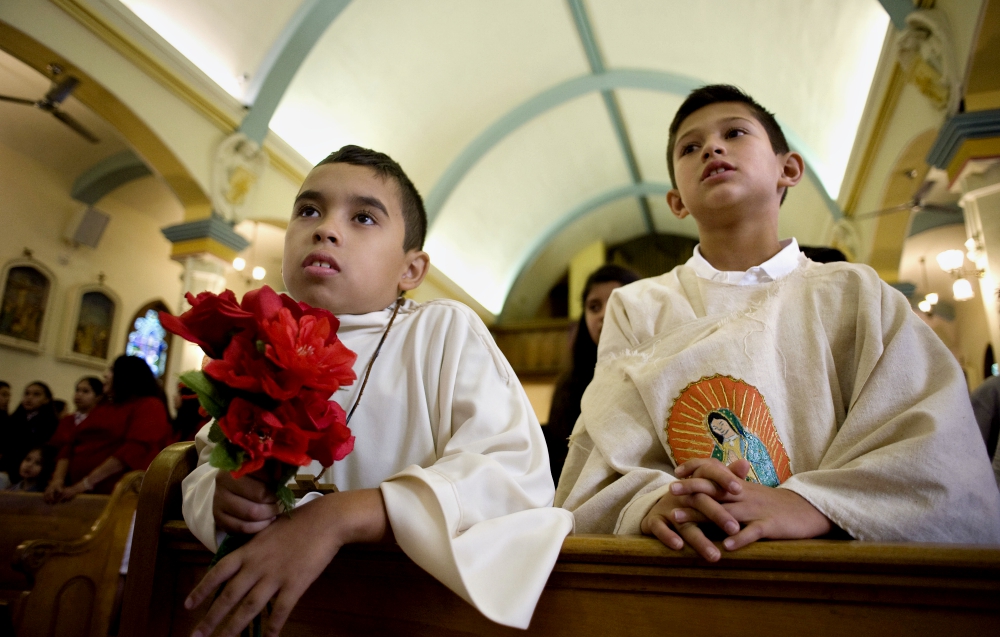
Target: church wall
{"x":132,"y":253}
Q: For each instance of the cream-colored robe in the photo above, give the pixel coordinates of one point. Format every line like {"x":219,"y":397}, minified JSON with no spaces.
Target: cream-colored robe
{"x":447,"y":433}
{"x":870,"y":407}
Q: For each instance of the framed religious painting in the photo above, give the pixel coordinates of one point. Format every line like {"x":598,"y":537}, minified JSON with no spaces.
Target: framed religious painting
{"x":91,"y":320}
{"x":27,"y":291}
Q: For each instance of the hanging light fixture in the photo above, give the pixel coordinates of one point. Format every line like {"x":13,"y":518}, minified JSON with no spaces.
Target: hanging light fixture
{"x":239,"y":263}
{"x":951,"y":260}
{"x":258,"y":273}
{"x":925,"y":306}
{"x":962,"y":290}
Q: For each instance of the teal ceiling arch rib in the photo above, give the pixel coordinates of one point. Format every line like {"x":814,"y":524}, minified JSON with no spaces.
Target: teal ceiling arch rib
{"x":107,"y":175}
{"x":283,"y":60}
{"x":640,"y":79}
{"x":585,"y":30}
{"x":633,"y":190}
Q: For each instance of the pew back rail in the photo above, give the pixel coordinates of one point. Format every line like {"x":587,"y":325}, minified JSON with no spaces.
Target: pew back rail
{"x":604,"y":585}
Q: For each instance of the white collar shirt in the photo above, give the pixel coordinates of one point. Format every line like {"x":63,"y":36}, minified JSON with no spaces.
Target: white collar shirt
{"x":781,"y":264}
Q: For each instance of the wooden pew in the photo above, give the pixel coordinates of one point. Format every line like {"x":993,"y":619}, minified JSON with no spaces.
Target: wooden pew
{"x":68,"y":557}
{"x":601,"y":585}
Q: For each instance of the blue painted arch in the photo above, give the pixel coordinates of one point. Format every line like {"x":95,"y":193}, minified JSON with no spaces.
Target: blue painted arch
{"x":641,"y":79}
{"x":641,"y":189}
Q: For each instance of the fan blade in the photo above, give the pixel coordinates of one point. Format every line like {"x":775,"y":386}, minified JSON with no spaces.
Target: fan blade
{"x":885,"y":211}
{"x":16,"y":100}
{"x":61,"y":91}
{"x":922,"y":191}
{"x":75,"y":125}
{"x":933,"y":207}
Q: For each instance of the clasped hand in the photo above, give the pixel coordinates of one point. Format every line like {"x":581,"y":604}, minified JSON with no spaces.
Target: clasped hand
{"x":710,"y":492}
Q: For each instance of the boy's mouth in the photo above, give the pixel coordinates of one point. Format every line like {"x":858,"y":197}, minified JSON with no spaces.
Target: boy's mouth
{"x":716,"y":168}
{"x":320,"y":264}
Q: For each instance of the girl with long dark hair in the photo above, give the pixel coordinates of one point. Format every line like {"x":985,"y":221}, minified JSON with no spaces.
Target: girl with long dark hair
{"x":124,"y":432}
{"x":571,"y":385}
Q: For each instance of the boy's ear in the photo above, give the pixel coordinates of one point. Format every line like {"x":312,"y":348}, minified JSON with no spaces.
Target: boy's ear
{"x":792,"y":170}
{"x":417,"y":265}
{"x":676,"y":204}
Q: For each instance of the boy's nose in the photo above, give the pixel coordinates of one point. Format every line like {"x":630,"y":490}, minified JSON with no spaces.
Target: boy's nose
{"x":713,"y":149}
{"x":327,"y":233}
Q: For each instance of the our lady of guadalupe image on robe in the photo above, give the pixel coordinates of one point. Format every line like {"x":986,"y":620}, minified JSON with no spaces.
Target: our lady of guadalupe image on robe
{"x":727,"y":419}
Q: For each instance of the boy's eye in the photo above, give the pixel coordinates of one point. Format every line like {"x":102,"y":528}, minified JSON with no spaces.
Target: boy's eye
{"x":735,"y":132}
{"x":307,"y":211}
{"x":365,"y":218}
{"x":687,"y":148}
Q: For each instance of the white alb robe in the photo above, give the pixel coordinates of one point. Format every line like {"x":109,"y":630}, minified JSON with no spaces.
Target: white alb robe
{"x":446,"y":431}
{"x":870,"y":408}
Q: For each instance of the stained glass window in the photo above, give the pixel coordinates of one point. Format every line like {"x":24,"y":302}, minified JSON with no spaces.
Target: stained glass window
{"x":148,"y":341}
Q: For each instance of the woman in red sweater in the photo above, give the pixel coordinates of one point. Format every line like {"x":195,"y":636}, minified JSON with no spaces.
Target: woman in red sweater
{"x":124,"y":432}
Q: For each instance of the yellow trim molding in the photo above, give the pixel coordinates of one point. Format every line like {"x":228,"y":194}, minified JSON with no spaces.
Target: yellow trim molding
{"x":886,"y":109}
{"x":973,"y":149}
{"x":204,"y":245}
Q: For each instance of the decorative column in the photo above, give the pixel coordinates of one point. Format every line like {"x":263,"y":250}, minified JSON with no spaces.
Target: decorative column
{"x":968,"y":149}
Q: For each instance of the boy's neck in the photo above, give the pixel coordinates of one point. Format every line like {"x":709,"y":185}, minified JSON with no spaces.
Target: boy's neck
{"x":738,"y":249}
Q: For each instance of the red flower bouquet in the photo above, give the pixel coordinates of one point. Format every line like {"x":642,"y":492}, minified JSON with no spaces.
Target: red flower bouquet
{"x":274,"y":365}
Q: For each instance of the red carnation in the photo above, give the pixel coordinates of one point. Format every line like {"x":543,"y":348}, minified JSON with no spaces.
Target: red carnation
{"x":211,"y":321}
{"x":262,"y":434}
{"x":309,"y":353}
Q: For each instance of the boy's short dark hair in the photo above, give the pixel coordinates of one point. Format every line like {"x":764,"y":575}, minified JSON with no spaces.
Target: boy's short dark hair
{"x":414,"y":215}
{"x":719,"y":93}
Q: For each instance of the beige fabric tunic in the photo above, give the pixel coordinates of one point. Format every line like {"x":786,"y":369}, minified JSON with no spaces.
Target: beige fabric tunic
{"x":446,"y":431}
{"x":860,"y":407}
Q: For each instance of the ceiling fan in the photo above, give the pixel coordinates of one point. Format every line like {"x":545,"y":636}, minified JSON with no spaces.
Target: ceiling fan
{"x":61,"y":89}
{"x":916,"y":204}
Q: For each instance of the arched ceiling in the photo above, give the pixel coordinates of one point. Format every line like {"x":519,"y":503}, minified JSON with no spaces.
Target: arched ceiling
{"x":517,"y":119}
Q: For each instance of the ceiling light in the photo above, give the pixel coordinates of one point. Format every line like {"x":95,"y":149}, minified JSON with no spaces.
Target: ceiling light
{"x":925,"y":306}
{"x":239,"y":263}
{"x":951,"y":260}
{"x":258,"y":273}
{"x":932,"y":298}
{"x":962,"y":290}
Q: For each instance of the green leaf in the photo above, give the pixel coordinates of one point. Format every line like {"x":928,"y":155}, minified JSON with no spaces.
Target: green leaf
{"x":209,"y":395}
{"x":215,"y":433}
{"x":287,"y":499}
{"x":227,"y":456}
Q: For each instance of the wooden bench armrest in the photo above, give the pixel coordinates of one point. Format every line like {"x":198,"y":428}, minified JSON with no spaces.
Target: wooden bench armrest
{"x":159,"y":500}
{"x":73,"y":582}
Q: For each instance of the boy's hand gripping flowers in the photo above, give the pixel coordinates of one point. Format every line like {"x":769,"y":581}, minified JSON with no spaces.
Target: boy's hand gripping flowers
{"x":274,"y":365}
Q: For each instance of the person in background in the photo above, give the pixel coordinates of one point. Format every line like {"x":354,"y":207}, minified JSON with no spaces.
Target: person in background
{"x":30,"y":426}
{"x":570,"y":386}
{"x":4,"y":401}
{"x":124,"y":432}
{"x":32,"y":472}
{"x":189,"y":418}
{"x":89,"y":390}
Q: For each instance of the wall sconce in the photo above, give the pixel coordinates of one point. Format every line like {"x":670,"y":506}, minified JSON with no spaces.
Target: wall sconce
{"x":239,"y":263}
{"x":962,"y":290}
{"x":953,"y":262}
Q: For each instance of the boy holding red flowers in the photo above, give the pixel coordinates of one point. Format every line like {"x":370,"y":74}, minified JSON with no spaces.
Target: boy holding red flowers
{"x":448,"y":458}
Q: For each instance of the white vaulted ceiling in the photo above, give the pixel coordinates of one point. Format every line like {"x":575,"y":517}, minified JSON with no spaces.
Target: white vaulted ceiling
{"x":494,"y":110}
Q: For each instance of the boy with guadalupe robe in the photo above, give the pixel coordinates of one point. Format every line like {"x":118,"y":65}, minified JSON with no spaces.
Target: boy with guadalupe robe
{"x":449,"y":459}
{"x":831,"y":403}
